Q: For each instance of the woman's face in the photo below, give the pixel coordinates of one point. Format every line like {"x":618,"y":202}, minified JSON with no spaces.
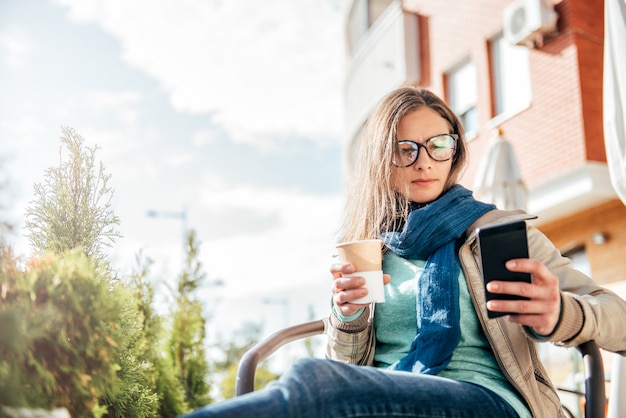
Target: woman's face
{"x":425,"y":180}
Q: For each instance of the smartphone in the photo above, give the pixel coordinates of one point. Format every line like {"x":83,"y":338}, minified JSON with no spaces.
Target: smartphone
{"x":497,"y":245}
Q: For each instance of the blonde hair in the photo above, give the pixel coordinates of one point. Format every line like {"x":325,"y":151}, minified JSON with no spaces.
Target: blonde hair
{"x":372,"y":205}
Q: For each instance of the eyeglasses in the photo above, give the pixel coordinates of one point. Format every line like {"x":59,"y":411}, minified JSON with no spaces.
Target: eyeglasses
{"x":438,"y":148}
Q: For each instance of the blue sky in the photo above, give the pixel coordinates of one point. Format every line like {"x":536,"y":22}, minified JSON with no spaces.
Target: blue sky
{"x":231,"y":111}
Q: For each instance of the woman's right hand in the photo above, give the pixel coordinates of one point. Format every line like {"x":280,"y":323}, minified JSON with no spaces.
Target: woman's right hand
{"x":347,"y":289}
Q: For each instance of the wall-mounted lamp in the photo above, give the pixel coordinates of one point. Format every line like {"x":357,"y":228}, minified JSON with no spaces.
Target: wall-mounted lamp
{"x":599,"y":237}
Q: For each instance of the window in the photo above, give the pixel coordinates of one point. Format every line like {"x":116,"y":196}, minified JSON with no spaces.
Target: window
{"x":580,"y":260}
{"x":510,"y":77}
{"x":463,"y":95}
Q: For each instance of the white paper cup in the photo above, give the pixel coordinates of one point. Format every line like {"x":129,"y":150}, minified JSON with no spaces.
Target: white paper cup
{"x":366,"y":256}
{"x":374,"y":285}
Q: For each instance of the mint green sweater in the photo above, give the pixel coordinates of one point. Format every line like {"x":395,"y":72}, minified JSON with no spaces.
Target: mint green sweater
{"x":395,"y":324}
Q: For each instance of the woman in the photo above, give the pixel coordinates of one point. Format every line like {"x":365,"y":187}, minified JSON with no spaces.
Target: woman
{"x":430,"y":348}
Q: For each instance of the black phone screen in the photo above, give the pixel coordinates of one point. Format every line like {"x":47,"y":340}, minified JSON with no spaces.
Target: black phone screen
{"x":497,"y":245}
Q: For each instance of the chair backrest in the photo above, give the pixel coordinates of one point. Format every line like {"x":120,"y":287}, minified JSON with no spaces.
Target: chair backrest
{"x":262,"y":350}
{"x":595,"y":397}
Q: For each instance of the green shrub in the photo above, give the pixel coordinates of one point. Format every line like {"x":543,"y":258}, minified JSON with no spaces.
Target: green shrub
{"x":59,"y":333}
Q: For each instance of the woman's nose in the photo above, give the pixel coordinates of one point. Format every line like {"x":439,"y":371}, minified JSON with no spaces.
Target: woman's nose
{"x":423,"y":159}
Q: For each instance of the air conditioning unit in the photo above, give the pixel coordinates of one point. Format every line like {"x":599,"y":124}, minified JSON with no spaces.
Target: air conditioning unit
{"x":526,"y":22}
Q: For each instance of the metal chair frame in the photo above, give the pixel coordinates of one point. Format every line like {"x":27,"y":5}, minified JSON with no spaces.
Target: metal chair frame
{"x":595,"y":397}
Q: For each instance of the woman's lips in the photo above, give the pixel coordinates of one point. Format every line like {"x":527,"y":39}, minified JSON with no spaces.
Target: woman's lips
{"x":421,"y":182}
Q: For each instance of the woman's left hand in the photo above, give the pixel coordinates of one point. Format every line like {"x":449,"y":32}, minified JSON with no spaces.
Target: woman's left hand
{"x":542,"y":310}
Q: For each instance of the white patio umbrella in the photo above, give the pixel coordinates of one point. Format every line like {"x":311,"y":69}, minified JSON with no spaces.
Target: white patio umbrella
{"x":499,"y":180}
{"x":615,"y":143}
{"x":615,"y":92}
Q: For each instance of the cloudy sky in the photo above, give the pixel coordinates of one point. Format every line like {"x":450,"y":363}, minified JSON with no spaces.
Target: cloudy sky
{"x":228,"y":111}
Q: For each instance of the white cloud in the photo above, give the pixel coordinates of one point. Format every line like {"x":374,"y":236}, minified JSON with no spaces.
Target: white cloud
{"x":179,"y":159}
{"x":256,"y":240}
{"x":113,"y":144}
{"x":282,"y":236}
{"x":204,"y":136}
{"x":105,"y":100}
{"x":123,"y":104}
{"x":295,"y":252}
{"x":14,"y":48}
{"x":25,"y":126}
{"x":261,"y":68}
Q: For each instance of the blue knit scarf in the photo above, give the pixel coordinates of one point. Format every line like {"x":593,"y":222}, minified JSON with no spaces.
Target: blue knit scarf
{"x":430,"y":234}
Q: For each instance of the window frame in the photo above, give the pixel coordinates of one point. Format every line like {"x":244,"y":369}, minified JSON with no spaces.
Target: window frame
{"x":453,"y":79}
{"x":511,"y":85}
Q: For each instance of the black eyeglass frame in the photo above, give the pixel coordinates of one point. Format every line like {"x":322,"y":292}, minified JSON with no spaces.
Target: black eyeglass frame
{"x":455,"y":138}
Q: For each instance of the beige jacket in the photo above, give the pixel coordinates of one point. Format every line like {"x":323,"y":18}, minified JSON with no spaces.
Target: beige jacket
{"x":589,"y":312}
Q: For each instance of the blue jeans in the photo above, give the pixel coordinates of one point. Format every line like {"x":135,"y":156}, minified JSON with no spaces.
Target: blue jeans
{"x":317,"y":388}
